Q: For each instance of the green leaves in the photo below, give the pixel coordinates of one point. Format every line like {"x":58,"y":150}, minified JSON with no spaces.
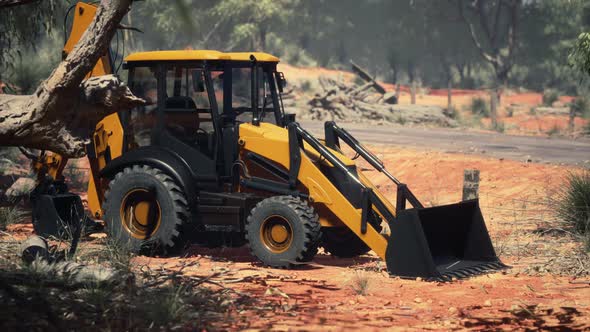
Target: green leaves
{"x":579,"y":58}
{"x":23,"y":27}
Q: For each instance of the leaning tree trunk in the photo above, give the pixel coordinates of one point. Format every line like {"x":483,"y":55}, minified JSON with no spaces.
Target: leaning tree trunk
{"x":449,"y":93}
{"x":571,"y":123}
{"x":63,"y":111}
{"x":413,"y":92}
{"x":494,"y":101}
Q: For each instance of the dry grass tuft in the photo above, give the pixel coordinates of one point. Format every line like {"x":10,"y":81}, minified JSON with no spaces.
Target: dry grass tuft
{"x":360,"y":282}
{"x":9,"y":216}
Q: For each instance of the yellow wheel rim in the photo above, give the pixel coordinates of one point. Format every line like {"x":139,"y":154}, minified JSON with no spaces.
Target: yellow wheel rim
{"x":276,"y":234}
{"x":141,"y":214}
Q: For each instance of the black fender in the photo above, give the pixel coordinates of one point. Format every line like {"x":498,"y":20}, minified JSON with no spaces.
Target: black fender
{"x":161,"y":158}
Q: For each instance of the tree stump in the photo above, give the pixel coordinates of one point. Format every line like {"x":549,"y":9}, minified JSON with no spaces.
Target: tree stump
{"x":470,"y":184}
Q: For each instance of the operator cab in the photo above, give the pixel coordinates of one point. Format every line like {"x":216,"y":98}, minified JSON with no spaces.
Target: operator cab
{"x":195,"y":101}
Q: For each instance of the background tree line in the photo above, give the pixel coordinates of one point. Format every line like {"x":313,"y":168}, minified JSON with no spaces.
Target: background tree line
{"x":465,"y":44}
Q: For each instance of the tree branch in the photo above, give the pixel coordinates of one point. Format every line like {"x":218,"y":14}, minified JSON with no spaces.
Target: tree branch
{"x":488,"y":57}
{"x":10,"y":3}
{"x":497,"y":23}
{"x":62,"y":113}
{"x":513,"y":26}
{"x":65,"y":131}
{"x":483,"y":20}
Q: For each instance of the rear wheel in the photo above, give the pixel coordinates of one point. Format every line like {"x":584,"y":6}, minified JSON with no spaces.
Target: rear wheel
{"x":283,"y":231}
{"x":145,"y":209}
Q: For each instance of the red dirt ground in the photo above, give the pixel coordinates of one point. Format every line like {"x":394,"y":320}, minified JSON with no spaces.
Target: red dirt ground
{"x":515,"y":199}
{"x":322,"y":296}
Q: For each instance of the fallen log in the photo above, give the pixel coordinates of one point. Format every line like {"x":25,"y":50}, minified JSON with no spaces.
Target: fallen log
{"x":64,"y":110}
{"x":365,"y":76}
{"x":37,"y":120}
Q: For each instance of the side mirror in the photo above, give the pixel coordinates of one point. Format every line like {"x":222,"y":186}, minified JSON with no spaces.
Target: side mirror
{"x":198,"y":81}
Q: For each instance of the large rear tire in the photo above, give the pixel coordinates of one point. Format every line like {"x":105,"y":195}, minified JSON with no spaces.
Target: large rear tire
{"x":145,"y":210}
{"x":283,"y":231}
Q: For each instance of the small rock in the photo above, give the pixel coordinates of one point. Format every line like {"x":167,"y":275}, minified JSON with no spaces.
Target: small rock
{"x":418,"y":279}
{"x":418,"y":300}
{"x":361,"y":299}
{"x":487,"y":303}
{"x":452,"y":310}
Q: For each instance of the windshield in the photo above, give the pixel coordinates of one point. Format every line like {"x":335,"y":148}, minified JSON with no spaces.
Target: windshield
{"x":238,"y":84}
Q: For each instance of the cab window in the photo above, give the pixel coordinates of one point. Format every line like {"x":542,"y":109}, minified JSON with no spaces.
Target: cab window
{"x":187,"y":111}
{"x":242,"y":95}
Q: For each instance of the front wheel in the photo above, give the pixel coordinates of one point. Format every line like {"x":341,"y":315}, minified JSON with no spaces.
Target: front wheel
{"x":283,"y":231}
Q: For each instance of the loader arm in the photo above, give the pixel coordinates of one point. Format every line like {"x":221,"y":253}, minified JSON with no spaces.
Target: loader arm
{"x":439,"y":243}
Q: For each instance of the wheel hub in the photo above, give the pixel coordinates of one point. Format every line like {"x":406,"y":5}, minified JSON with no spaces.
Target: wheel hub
{"x":276,"y":234}
{"x":141,"y":213}
{"x":279,"y":233}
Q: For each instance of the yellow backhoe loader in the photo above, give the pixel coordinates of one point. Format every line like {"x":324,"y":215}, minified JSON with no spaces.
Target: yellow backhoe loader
{"x":212,"y":156}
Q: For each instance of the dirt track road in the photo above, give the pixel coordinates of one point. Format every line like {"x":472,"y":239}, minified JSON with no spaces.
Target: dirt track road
{"x":520,"y":148}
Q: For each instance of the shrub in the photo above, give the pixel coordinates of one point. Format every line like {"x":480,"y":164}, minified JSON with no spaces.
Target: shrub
{"x":452,"y":113}
{"x":480,"y":107}
{"x":533,"y":111}
{"x":550,"y":96}
{"x":401,"y":120}
{"x":9,"y":216}
{"x":554,"y":131}
{"x":500,"y":127}
{"x":118,"y":255}
{"x":581,"y":106}
{"x":306,"y":85}
{"x":510,"y":112}
{"x":574,"y":202}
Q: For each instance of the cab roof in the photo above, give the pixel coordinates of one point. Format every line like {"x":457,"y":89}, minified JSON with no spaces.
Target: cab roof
{"x":199,"y":55}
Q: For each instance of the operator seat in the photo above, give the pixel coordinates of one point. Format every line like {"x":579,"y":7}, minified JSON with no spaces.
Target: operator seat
{"x":183,"y":121}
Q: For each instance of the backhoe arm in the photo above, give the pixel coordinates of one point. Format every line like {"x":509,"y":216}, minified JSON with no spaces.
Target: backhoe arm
{"x":107,"y":140}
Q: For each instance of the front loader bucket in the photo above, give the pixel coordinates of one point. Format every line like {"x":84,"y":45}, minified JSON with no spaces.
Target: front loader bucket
{"x":60,"y":216}
{"x":441,"y":243}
